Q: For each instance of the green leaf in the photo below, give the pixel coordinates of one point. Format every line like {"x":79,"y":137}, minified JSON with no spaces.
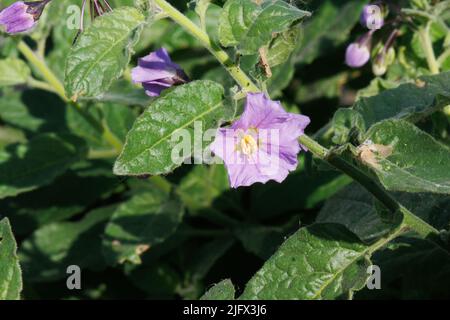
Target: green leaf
{"x":149,"y":144}
{"x":261,"y":240}
{"x":249,"y":25}
{"x":224,"y":290}
{"x":282,"y":46}
{"x":273,"y":199}
{"x":356,"y":209}
{"x":102,"y":52}
{"x":10,"y":273}
{"x":411,"y":101}
{"x":159,"y":281}
{"x":13,"y":72}
{"x":119,"y":119}
{"x":27,"y":166}
{"x":202,"y":185}
{"x":401,"y":263}
{"x":25,"y":110}
{"x":329,"y":27}
{"x":418,"y":163}
{"x":46,"y":255}
{"x":145,"y":220}
{"x":68,"y":195}
{"x":321,"y":261}
{"x":207,"y":255}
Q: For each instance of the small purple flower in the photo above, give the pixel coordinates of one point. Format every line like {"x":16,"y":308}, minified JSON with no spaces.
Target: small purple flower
{"x":358,"y":53}
{"x":157,"y":72}
{"x":262,"y":145}
{"x":372,"y":17}
{"x":21,"y":16}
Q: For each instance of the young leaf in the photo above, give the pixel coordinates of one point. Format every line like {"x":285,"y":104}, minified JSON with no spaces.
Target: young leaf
{"x":321,"y":261}
{"x":137,"y":225}
{"x":224,"y":290}
{"x":249,"y":25}
{"x":102,"y":52}
{"x":10,"y":273}
{"x":411,"y":101}
{"x":13,"y":72}
{"x":27,"y":166}
{"x":417,"y":163}
{"x":149,"y":144}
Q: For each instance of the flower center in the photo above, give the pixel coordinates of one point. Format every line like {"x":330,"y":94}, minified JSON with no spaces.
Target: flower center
{"x":248,"y":145}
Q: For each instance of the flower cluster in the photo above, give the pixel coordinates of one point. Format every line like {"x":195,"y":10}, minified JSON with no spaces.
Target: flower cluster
{"x":260,"y":146}
{"x":358,"y":53}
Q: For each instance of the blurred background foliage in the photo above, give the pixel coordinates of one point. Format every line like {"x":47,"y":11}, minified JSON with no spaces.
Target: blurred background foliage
{"x":211,"y":232}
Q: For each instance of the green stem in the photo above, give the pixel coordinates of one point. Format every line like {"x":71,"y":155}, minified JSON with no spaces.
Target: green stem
{"x":40,"y":65}
{"x":427,"y":46}
{"x":102,"y":154}
{"x":410,"y":221}
{"x":53,"y":84}
{"x":33,"y":83}
{"x":238,"y":75}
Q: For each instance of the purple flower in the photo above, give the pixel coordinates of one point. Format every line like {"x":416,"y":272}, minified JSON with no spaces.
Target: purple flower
{"x":357,"y":55}
{"x":21,"y":16}
{"x":372,"y":17}
{"x":157,"y":72}
{"x":262,"y":145}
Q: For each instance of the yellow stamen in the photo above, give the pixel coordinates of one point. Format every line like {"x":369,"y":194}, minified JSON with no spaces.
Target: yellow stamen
{"x":248,"y":145}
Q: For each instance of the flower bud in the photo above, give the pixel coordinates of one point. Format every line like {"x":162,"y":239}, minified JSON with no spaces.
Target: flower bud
{"x":372,"y":17}
{"x":157,"y":72}
{"x":357,"y":55}
{"x":21,"y":16}
{"x":382,"y":61}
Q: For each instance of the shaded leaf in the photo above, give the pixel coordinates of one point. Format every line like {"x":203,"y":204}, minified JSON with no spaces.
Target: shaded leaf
{"x":145,"y":220}
{"x":51,"y":249}
{"x":10,"y":273}
{"x":13,"y":72}
{"x":27,"y":166}
{"x":329,"y":27}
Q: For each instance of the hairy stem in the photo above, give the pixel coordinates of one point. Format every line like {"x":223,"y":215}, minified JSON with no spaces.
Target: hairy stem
{"x":427,"y":46}
{"x":410,"y":221}
{"x":235,"y":71}
{"x":45,"y":72}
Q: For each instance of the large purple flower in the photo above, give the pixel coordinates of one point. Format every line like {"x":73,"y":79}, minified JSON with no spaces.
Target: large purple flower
{"x":21,"y":16}
{"x":157,"y":72}
{"x":262,"y":145}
